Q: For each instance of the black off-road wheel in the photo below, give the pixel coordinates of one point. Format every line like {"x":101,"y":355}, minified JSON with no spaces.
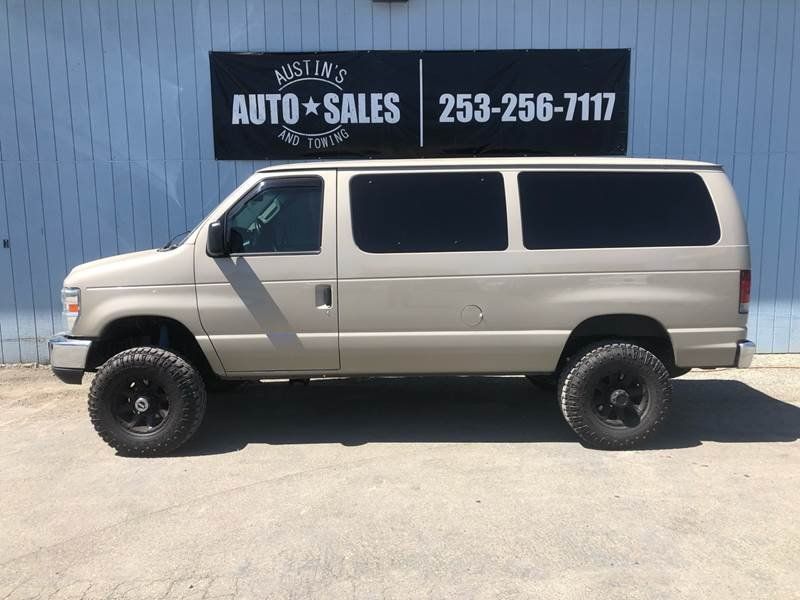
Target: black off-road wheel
{"x":146,"y":401}
{"x":614,"y":395}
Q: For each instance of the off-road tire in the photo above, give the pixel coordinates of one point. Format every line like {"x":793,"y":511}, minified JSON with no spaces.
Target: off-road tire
{"x":576,"y":389}
{"x":182,"y":384}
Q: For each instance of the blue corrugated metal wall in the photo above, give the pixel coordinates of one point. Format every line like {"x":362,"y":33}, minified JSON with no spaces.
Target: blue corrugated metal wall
{"x":105,"y":118}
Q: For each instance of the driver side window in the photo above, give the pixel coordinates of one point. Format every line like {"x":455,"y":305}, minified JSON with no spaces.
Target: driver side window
{"x":285,"y":216}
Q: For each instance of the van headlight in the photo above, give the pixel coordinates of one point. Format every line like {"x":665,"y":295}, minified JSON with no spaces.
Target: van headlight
{"x":71,"y":302}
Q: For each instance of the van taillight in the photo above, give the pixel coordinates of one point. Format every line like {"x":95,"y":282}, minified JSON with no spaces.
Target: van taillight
{"x":744,"y":291}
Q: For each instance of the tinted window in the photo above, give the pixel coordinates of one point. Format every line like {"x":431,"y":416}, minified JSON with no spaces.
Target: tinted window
{"x":429,"y":212}
{"x":282,"y":217}
{"x":616,"y":210}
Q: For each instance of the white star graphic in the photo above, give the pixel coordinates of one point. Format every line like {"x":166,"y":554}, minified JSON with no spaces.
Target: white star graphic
{"x":311,"y":106}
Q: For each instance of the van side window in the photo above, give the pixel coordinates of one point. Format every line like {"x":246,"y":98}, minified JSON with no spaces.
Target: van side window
{"x":616,"y":210}
{"x":284,"y":216}
{"x":429,"y":212}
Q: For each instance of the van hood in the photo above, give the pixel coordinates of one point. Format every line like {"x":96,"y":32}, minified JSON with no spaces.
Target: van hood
{"x":144,"y":268}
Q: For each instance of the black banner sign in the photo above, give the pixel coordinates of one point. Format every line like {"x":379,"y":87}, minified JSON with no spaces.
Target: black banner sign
{"x":386,"y":104}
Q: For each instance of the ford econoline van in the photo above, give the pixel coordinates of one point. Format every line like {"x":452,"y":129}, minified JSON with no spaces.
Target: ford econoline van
{"x":604,"y":276}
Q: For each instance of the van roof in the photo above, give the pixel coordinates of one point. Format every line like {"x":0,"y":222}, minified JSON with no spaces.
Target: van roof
{"x":613,"y":162}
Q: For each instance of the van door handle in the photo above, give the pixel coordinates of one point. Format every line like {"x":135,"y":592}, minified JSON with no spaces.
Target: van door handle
{"x":324,"y":296}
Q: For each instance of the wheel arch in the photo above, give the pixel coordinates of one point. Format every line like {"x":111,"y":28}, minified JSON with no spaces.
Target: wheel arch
{"x":147,"y":330}
{"x":631,"y":327}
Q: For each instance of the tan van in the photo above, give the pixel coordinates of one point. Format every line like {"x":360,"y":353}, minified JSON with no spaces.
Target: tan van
{"x":606,"y":276}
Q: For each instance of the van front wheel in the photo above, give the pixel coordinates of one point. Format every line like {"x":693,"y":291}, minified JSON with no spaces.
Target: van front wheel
{"x":614,"y":394}
{"x":146,"y":401}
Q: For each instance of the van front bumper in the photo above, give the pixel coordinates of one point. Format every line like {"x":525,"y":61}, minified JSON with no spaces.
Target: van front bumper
{"x":744,"y":354}
{"x":68,"y":357}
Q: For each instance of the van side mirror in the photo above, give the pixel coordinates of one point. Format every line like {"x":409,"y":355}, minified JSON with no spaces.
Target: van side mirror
{"x":215,"y":245}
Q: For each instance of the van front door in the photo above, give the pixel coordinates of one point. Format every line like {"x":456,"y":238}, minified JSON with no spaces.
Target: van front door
{"x":271,"y":304}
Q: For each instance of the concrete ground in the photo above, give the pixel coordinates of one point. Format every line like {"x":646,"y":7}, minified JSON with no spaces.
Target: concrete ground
{"x":406,"y":488}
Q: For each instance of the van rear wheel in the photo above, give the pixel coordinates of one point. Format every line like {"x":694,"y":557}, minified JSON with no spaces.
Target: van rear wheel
{"x":146,"y":401}
{"x":614,"y":394}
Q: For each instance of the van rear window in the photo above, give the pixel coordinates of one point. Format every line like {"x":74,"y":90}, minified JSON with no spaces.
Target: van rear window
{"x":429,"y":212}
{"x":616,"y":210}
